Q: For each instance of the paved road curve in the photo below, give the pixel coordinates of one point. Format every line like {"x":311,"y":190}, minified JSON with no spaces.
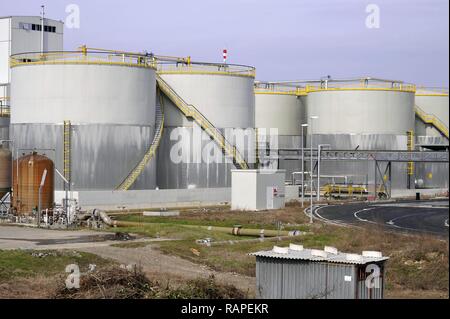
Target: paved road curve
{"x":418,"y":216}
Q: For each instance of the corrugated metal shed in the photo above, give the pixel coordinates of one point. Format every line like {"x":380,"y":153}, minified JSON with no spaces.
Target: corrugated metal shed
{"x":297,"y":273}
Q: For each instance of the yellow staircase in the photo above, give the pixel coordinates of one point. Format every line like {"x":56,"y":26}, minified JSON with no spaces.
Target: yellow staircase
{"x":191,"y":112}
{"x":431,"y":119}
{"x":151,"y":152}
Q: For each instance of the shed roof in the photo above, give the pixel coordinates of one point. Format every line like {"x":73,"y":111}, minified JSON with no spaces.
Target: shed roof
{"x":329,"y":254}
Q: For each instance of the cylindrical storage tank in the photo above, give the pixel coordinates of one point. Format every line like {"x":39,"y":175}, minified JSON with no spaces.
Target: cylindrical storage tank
{"x":109,"y":99}
{"x":28,"y":173}
{"x":5,"y":171}
{"x":224,"y":96}
{"x":280,"y":112}
{"x":363,"y":115}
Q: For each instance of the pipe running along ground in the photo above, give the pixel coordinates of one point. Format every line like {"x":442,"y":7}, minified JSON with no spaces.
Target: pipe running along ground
{"x":236,"y":231}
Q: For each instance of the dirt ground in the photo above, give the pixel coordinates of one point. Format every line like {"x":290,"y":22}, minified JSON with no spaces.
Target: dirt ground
{"x":170,"y":269}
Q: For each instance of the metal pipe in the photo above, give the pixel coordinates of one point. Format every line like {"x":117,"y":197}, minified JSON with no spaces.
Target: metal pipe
{"x":311,"y":169}
{"x":318,"y":168}
{"x":303,"y":163}
{"x":42,"y":27}
{"x":44,"y":176}
{"x":237,"y":231}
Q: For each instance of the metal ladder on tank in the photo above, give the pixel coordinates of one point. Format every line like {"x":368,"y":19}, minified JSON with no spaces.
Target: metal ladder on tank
{"x":151,"y":152}
{"x":432,"y":120}
{"x":66,"y":154}
{"x":191,"y":112}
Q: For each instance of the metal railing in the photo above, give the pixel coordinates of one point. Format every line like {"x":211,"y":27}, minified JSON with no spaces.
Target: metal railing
{"x":84,"y":56}
{"x":139,"y":168}
{"x":432,"y":119}
{"x":431,"y":91}
{"x":302,"y":88}
{"x":190,"y":111}
{"x":205,"y":68}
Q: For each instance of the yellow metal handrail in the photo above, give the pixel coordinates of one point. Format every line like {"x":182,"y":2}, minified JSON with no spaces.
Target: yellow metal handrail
{"x":433,"y":120}
{"x":190,"y":111}
{"x":139,"y":168}
{"x":206,"y":68}
{"x":401,"y":88}
{"x":84,"y":56}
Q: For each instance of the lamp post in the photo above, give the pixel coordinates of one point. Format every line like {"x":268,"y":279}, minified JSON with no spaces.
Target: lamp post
{"x":311,"y":168}
{"x":303,"y":163}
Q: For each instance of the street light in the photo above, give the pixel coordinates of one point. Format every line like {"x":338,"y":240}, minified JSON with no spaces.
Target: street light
{"x":318,"y":168}
{"x":314,"y":117}
{"x":303,"y":163}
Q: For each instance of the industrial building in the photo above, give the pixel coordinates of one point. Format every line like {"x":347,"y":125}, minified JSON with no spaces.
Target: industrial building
{"x":297,"y":273}
{"x":114,"y":122}
{"x":19,"y":34}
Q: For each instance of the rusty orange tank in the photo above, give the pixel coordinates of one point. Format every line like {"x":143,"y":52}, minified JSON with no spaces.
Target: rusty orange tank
{"x":5,"y":171}
{"x":27,"y":175}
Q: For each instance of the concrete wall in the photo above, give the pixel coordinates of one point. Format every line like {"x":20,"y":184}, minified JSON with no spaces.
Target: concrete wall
{"x":142,"y":199}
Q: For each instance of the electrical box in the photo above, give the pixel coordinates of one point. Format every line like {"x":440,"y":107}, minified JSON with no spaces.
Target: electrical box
{"x":256,"y":190}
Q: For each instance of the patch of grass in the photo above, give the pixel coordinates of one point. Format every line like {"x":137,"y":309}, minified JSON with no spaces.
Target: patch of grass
{"x":224,"y":217}
{"x":138,"y":244}
{"x":20,"y":263}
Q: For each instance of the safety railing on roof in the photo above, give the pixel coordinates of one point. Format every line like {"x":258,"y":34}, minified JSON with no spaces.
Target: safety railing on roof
{"x":205,"y":68}
{"x":300,"y":88}
{"x":85,"y":56}
{"x":431,"y":91}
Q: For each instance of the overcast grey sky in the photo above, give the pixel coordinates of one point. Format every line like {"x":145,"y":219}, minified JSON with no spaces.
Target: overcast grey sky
{"x":284,"y":39}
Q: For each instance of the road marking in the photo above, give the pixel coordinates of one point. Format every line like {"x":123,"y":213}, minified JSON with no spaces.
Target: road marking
{"x":361,"y":211}
{"x":446,"y":223}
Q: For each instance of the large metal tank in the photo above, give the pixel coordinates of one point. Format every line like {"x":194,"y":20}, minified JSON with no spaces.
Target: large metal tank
{"x":279,"y":110}
{"x":364,"y":114}
{"x":5,"y":171}
{"x":109,"y":99}
{"x":28,"y":171}
{"x":224,"y":95}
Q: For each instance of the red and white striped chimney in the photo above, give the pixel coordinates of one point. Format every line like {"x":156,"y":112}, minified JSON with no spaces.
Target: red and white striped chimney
{"x":225,"y":55}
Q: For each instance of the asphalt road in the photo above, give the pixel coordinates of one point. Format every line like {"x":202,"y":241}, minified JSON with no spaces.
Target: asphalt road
{"x":417,"y":216}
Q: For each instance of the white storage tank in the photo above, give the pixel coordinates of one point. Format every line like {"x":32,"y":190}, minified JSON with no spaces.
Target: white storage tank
{"x":109,"y":99}
{"x":223,"y":94}
{"x":279,"y":109}
{"x":363,"y":114}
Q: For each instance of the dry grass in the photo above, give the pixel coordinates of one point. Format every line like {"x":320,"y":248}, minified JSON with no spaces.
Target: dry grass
{"x":118,"y":283}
